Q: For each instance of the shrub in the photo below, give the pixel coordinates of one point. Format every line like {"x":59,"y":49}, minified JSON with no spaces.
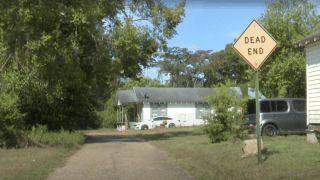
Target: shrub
{"x":228,"y":107}
{"x":8,"y":139}
{"x":62,"y":138}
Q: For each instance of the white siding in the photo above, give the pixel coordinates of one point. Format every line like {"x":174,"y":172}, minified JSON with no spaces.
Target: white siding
{"x":145,"y":112}
{"x":186,"y":112}
{"x":313,"y":83}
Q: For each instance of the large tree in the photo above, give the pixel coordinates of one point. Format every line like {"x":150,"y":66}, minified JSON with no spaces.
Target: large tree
{"x":177,"y":62}
{"x":283,"y":74}
{"x":56,"y":54}
{"x":190,"y":69}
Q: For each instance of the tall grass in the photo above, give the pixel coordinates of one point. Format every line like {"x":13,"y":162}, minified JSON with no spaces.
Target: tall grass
{"x":62,"y":138}
{"x":38,"y":163}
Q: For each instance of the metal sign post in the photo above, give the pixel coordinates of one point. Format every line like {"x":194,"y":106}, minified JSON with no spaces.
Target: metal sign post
{"x":255,"y":45}
{"x":258,"y":116}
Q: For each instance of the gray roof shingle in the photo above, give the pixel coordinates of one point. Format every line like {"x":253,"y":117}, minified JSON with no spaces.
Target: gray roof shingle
{"x":168,"y":94}
{"x":125,"y":96}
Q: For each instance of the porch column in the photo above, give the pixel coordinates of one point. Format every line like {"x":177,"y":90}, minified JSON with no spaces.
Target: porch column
{"x":121,"y":115}
{"x":117,"y":117}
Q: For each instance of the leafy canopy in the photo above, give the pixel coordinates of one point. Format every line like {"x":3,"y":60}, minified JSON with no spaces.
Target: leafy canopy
{"x":56,"y":56}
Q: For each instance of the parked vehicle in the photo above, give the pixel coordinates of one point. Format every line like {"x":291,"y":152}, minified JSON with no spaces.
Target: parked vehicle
{"x":277,"y":116}
{"x":145,"y":125}
{"x":170,"y":121}
{"x":157,"y":121}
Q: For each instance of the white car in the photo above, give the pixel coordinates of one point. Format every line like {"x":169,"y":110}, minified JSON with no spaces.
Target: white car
{"x":145,"y":125}
{"x":170,"y":121}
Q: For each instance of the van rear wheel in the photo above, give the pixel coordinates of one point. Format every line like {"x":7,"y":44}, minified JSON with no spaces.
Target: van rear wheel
{"x":270,"y":130}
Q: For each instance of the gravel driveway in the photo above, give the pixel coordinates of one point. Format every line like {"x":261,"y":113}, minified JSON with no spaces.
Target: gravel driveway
{"x":119,"y":157}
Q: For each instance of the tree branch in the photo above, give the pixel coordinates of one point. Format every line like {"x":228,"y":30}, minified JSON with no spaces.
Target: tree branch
{"x":27,"y":78}
{"x":21,"y":65}
{"x":16,"y":53}
{"x":124,"y":12}
{"x":5,"y":63}
{"x":140,"y":19}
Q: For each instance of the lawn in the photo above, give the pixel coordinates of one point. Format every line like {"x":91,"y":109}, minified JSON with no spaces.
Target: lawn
{"x":37,"y":163}
{"x":32,"y":163}
{"x":292,"y":158}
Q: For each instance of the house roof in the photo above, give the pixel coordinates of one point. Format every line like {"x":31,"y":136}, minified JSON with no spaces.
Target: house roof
{"x":125,"y":96}
{"x":309,"y":39}
{"x":149,"y":94}
{"x":168,"y":94}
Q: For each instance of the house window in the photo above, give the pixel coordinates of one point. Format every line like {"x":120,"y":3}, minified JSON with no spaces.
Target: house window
{"x":158,"y":110}
{"x":202,"y":110}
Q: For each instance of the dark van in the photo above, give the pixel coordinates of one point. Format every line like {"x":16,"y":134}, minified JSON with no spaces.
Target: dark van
{"x":277,"y":116}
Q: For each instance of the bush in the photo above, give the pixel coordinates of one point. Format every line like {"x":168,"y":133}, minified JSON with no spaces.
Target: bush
{"x":228,"y":108}
{"x":11,"y":118}
{"x":8,"y":139}
{"x":62,"y":138}
{"x":109,"y":114}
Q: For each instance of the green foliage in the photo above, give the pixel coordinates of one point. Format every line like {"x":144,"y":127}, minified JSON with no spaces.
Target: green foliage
{"x":228,"y":114}
{"x":178,"y":62}
{"x":60,"y":63}
{"x":62,"y":138}
{"x":283,"y":73}
{"x":11,"y":117}
{"x":109,"y":114}
{"x":287,"y":75}
{"x":8,"y":139}
{"x":188,"y":69}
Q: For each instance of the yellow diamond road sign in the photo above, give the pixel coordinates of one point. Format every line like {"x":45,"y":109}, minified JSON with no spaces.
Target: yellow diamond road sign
{"x":255,"y":45}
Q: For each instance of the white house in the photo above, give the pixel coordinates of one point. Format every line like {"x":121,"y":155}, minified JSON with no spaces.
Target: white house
{"x":312,"y":44}
{"x":185,"y":103}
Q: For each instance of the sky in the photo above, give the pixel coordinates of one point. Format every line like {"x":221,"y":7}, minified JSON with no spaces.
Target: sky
{"x":211,"y":24}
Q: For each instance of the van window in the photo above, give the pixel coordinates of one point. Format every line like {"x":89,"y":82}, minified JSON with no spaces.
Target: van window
{"x":279,"y":106}
{"x":251,"y":107}
{"x":273,"y":106}
{"x":265,"y":106}
{"x":282,"y":106}
{"x":299,"y":105}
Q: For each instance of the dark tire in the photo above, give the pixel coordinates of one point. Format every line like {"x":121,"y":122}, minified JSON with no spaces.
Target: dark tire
{"x":144,"y":127}
{"x":171,"y":125}
{"x":270,"y":130}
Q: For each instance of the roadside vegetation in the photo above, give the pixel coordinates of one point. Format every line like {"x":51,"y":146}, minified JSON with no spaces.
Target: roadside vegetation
{"x":39,"y":155}
{"x":229,"y":107}
{"x":292,"y":156}
{"x":32,"y":163}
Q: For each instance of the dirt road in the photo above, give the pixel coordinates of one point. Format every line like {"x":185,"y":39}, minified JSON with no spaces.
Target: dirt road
{"x":120,"y":158}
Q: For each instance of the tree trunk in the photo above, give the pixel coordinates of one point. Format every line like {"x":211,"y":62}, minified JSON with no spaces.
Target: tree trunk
{"x":27,"y":141}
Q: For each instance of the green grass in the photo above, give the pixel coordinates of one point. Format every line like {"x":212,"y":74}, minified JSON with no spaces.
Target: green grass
{"x":293,"y":157}
{"x":38,"y":163}
{"x":62,"y":138}
{"x":32,"y":163}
